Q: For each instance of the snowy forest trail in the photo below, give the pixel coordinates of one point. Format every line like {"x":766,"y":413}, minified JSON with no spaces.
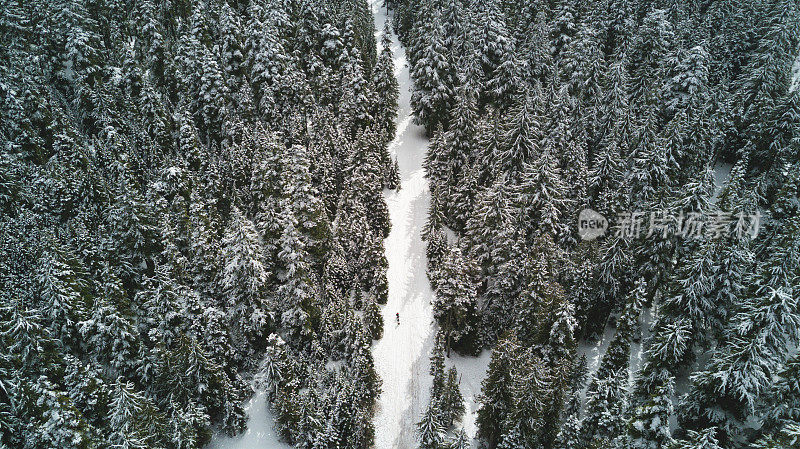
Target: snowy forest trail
{"x":401,"y":356}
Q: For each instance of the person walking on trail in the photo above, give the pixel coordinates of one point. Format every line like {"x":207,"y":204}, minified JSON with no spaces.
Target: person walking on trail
{"x":397,"y":315}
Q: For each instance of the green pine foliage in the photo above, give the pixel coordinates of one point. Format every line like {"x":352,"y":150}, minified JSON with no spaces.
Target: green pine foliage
{"x":538,"y":110}
{"x":173,"y":212}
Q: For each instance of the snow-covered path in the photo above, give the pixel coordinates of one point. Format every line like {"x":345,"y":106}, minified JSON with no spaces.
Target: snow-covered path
{"x":401,"y":356}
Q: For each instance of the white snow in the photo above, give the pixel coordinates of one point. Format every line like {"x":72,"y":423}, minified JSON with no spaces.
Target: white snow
{"x":259,"y":433}
{"x":637,"y":348}
{"x":402,"y":355}
{"x":594,"y":350}
{"x":722,"y":173}
{"x":471,"y":372}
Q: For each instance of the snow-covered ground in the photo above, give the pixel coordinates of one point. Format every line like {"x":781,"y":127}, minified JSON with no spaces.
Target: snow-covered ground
{"x":595,"y":349}
{"x":402,"y":355}
{"x":471,"y":372}
{"x":722,"y":173}
{"x":259,"y":433}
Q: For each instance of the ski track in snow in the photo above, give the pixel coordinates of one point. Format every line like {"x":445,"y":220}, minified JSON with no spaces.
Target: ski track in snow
{"x":402,"y":355}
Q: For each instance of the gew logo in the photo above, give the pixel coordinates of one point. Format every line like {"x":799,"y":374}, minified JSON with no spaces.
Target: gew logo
{"x":591,"y":225}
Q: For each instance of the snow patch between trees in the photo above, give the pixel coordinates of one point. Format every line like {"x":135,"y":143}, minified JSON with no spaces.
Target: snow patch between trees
{"x":471,"y":372}
{"x":259,"y":433}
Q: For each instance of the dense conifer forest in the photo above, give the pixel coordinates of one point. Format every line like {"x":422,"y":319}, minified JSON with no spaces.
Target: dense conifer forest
{"x":540,"y":109}
{"x":193,"y":208}
{"x":189,"y":189}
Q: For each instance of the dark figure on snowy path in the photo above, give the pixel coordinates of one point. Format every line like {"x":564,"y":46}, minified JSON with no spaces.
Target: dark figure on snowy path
{"x":397,"y":315}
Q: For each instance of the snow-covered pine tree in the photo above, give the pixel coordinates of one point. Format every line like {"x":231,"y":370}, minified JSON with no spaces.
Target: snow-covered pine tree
{"x":373,"y":321}
{"x":434,"y":77}
{"x":515,"y":397}
{"x":461,"y":441}
{"x":296,"y":295}
{"x":63,"y":293}
{"x":386,"y":87}
{"x":244,"y":279}
{"x":605,"y":409}
{"x":453,"y":158}
{"x":455,"y":304}
{"x":521,"y":138}
{"x":606,"y":395}
{"x":757,"y":337}
{"x":452,"y":401}
{"x":490,"y":217}
{"x":495,"y":399}
{"x":653,"y":42}
{"x":649,"y":425}
{"x":705,"y":439}
{"x":430,"y":431}
{"x":543,"y":194}
{"x":306,"y":204}
{"x":501,"y":77}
